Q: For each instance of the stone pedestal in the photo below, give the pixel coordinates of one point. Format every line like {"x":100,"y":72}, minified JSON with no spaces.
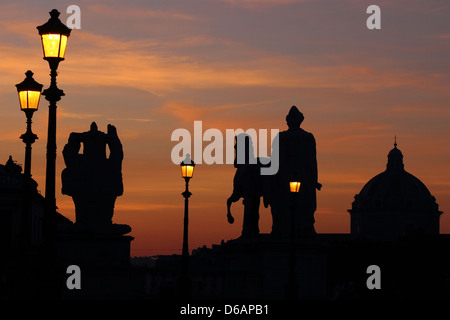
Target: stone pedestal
{"x":104,"y":262}
{"x":256,"y":269}
{"x":91,"y":249}
{"x":260,"y":269}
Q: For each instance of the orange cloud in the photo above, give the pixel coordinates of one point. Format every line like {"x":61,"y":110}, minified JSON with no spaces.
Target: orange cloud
{"x":189,"y":113}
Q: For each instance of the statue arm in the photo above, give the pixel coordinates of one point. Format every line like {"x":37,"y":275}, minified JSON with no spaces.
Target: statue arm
{"x":114,"y":143}
{"x":72,"y":148}
{"x":313,"y":161}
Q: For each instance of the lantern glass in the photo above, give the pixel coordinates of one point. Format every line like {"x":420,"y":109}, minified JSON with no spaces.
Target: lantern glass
{"x":29,"y":100}
{"x":294,"y":186}
{"x":187,"y":170}
{"x":54,"y":45}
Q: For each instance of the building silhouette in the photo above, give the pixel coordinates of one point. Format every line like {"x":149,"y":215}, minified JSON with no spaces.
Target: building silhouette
{"x":23,"y":233}
{"x":394,"y":204}
{"x":17,"y":224}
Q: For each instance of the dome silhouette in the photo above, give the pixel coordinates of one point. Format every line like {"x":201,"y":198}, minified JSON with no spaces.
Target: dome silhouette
{"x":393,"y":204}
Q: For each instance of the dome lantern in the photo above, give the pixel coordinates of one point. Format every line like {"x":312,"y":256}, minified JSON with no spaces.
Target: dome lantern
{"x":395,"y":159}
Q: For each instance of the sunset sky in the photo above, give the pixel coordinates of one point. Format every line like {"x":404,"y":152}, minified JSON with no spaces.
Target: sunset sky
{"x":149,"y":67}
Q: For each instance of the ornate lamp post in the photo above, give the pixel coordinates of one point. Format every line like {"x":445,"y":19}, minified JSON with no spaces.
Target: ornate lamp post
{"x":29,"y":93}
{"x":291,"y":286}
{"x":54,"y":35}
{"x":187,"y":172}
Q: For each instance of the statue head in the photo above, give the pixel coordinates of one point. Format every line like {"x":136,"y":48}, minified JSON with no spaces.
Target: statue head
{"x":94,"y":126}
{"x":94,"y":143}
{"x":294,"y":118}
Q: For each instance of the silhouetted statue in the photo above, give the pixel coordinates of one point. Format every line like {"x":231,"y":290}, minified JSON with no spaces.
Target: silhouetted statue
{"x":93,"y":180}
{"x":247,"y":184}
{"x":297,"y":159}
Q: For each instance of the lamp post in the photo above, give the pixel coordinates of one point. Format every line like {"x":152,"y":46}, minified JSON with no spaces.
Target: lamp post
{"x":291,"y":286}
{"x":54,"y":35}
{"x":29,"y":93}
{"x":187,"y":172}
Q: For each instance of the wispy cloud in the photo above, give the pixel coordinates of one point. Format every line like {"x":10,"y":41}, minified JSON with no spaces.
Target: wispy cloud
{"x":130,"y":119}
{"x":258,"y":4}
{"x":208,"y":112}
{"x":160,"y":68}
{"x":120,"y":12}
{"x":69,"y":115}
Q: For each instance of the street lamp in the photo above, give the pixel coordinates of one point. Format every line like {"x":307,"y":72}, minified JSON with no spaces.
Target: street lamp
{"x":29,"y":93}
{"x":291,"y":286}
{"x":187,"y":172}
{"x":187,"y":168}
{"x":54,"y":35}
{"x":294,"y":186}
